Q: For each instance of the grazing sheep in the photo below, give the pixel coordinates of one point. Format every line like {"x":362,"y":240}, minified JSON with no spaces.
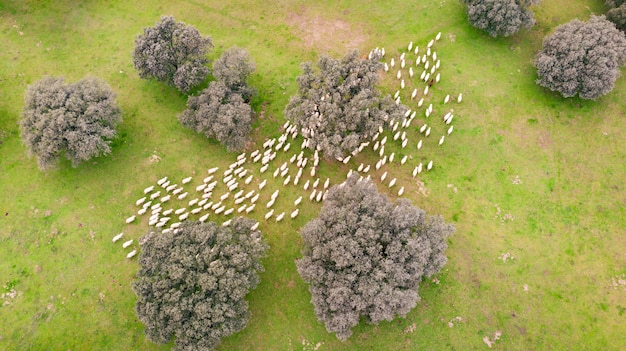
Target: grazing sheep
{"x":216,"y":205}
{"x":250,"y":208}
{"x":183,"y":216}
{"x":366,"y":169}
{"x":391,"y":157}
{"x":148,"y":189}
{"x":396,"y":136}
{"x":204,"y":218}
{"x":275,"y":194}
{"x":162,"y":180}
{"x":313,"y":171}
{"x":280,"y":217}
{"x":401,"y":191}
{"x":429,"y":166}
{"x":438,"y":36}
{"x":382,"y":178}
{"x":294,"y":214}
{"x":262,"y":185}
{"x":411,"y":72}
{"x":270,"y":203}
{"x":392,"y":182}
{"x":419,"y":144}
{"x":193,"y":202}
{"x":118,"y":237}
{"x":427,"y":132}
{"x":153,"y":221}
{"x":186,"y":180}
{"x":264,"y":168}
{"x":378,"y":164}
{"x":410,"y":46}
{"x":269,"y":214}
{"x":207,"y":195}
{"x":227,"y":223}
{"x":442,"y":139}
{"x":130,"y":219}
{"x":392,"y":63}
{"x":155,"y":206}
{"x":175,"y":225}
{"x":220,"y":210}
{"x":312,"y":196}
{"x":437,"y":77}
{"x":287,"y":180}
{"x":177,"y":191}
{"x":386,"y":67}
{"x":255,"y":198}
{"x":402,"y":85}
{"x":180,"y":210}
{"x":242,"y":208}
{"x":147,"y":204}
{"x":233,"y":187}
{"x":318,"y":198}
{"x":127,"y":243}
{"x":140,"y":201}
{"x":414,"y":93}
{"x":166,"y":184}
{"x":155,"y":195}
{"x":450,"y":130}
{"x":460,"y":98}
{"x":132,"y":253}
{"x":213,"y":170}
{"x":171,"y":187}
{"x":449,"y":120}
{"x":196,"y":210}
{"x":201,"y":187}
{"x":229,"y":211}
{"x":326,"y":183}
{"x":239,"y":200}
{"x":168,"y":212}
{"x":142,"y":211}
{"x":183,"y":195}
{"x":419,"y":104}
{"x":403,"y":161}
{"x":426,"y":90}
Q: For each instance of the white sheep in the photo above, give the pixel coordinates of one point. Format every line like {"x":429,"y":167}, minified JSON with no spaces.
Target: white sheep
{"x":270,"y":203}
{"x":450,"y":130}
{"x":118,"y":237}
{"x":242,"y":208}
{"x":269,"y":214}
{"x":313,"y":171}
{"x":382,"y":177}
{"x":263,"y":183}
{"x":142,"y":211}
{"x":287,"y":180}
{"x":419,"y":104}
{"x":366,"y":169}
{"x":233,"y":187}
{"x":312,"y":196}
{"x":183,"y":195}
{"x":166,"y":184}
{"x":460,"y":98}
{"x":239,"y":200}
{"x":227,"y":223}
{"x":250,"y":208}
{"x":391,"y":157}
{"x":411,"y":72}
{"x":186,"y":180}
{"x":130,"y":219}
{"x":437,"y":77}
{"x":177,"y":191}
{"x":326,"y":183}
{"x":183,"y":216}
{"x":403,"y":161}
{"x":204,"y":218}
{"x":171,"y":187}
{"x":255,"y":198}
{"x":127,"y":243}
{"x":275,"y":194}
{"x":318,"y":198}
{"x":213,"y":170}
{"x":175,"y":225}
{"x":229,"y":211}
{"x":392,"y":63}
{"x":193,"y":202}
{"x":147,"y":204}
{"x":166,"y":198}
{"x":392,"y":182}
{"x":196,"y":210}
{"x":429,"y":166}
{"x":438,"y":36}
{"x":426,"y":90}
{"x":155,"y":195}
{"x":316,"y":183}
{"x":131,"y":254}
{"x":180,"y":210}
{"x":410,"y":46}
{"x":155,"y":206}
{"x":401,"y":191}
{"x":443,"y":137}
{"x":402,"y":85}
{"x":148,"y":189}
{"x":264,"y":168}
{"x":280,"y":217}
{"x":220,"y":210}
{"x":140,"y":201}
{"x":216,"y":205}
{"x":201,"y":187}
{"x":294,"y":214}
{"x":427,"y":132}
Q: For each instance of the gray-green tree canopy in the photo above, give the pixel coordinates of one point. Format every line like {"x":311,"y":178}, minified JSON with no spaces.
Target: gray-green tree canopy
{"x":77,"y":120}
{"x":365,"y":256}
{"x":192,"y":282}
{"x":500,"y":17}
{"x":219,"y":113}
{"x":582,"y":58}
{"x":172,"y":52}
{"x":233,"y":68}
{"x":617,"y":13}
{"x":338,"y":106}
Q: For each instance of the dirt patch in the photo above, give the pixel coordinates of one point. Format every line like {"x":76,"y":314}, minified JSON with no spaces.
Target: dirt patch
{"x":323,"y":33}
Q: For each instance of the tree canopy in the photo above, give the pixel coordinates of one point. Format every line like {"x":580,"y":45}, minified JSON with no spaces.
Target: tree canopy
{"x":617,"y":13}
{"x":219,"y":113}
{"x":338,"y":106}
{"x":77,"y":120}
{"x":172,"y":52}
{"x":582,"y":58}
{"x":365,"y":256}
{"x":192,"y":282}
{"x":233,"y":69}
{"x":500,"y":17}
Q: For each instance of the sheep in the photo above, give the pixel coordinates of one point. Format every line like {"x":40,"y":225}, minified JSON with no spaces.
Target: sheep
{"x":382,"y":151}
{"x":449,"y":120}
{"x":312,"y":171}
{"x":306,"y":185}
{"x":239,"y":200}
{"x":264,"y":168}
{"x":183,"y":195}
{"x":392,"y":63}
{"x":422,"y":75}
{"x":153,"y":221}
{"x":427,"y":132}
{"x":127,"y":243}
{"x":386,"y":67}
{"x":401,"y":191}
{"x":255,"y":226}
{"x":396,"y":136}
{"x":186,"y":180}
{"x":161,"y":181}
{"x":262,"y":185}
{"x":426,"y":90}
{"x":255,"y":198}
{"x":378,"y":164}
{"x":326,"y":183}
{"x":168,"y":212}
{"x":403,"y":161}
{"x":207,"y":195}
{"x":238,"y":194}
{"x":419,"y":104}
{"x":437,"y":77}
{"x":131,"y":254}
{"x":402,"y":85}
{"x":130,"y":219}
{"x":270,"y":203}
{"x":418,"y":60}
{"x":171,"y":187}
{"x":166,"y":184}
{"x":193,"y":202}
{"x":155,"y":206}
{"x":419,"y":144}
{"x":196,"y":210}
{"x":250,"y":208}
{"x":450,"y":130}
{"x":148,"y":189}
{"x":414,"y":93}
{"x":429,"y":166}
{"x":312,"y":194}
{"x":298,"y":200}
{"x":316,"y":183}
{"x":142,"y":211}
{"x":410,"y":46}
{"x":269,"y":214}
{"x":403,"y":136}
{"x":201,"y":187}
{"x":280,"y":217}
{"x":242,"y":208}
{"x":233,"y":187}
{"x":318,"y":198}
{"x":346,"y":160}
{"x":183,"y":216}
{"x":216,"y":205}
{"x":275,"y":194}
{"x":411,"y":72}
{"x":147,"y":204}
{"x":391,"y":157}
{"x":220,"y":210}
{"x":155,"y":195}
{"x":177,"y":191}
{"x":296,"y":179}
{"x":204,"y":218}
{"x":175,"y":225}
{"x":256,"y":158}
{"x":366,"y":169}
{"x":140,"y":201}
{"x":284,"y":172}
{"x":382,"y":178}
{"x":213,"y":170}
{"x":180,"y":210}
{"x":229,"y":211}
{"x":118,"y":237}
{"x":294,"y":214}
{"x":392,"y":182}
{"x":227,"y":223}
{"x":287,"y":180}
{"x":460,"y":98}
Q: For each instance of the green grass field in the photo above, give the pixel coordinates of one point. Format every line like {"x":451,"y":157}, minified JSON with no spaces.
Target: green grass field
{"x":525,"y":172}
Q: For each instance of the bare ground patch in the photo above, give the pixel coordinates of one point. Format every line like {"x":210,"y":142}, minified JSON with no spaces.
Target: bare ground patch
{"x":323,"y":33}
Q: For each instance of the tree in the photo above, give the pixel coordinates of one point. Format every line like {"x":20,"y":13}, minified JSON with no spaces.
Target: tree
{"x":172,"y":52}
{"x":617,"y":13}
{"x":77,"y":120}
{"x":233,"y":68}
{"x":582,"y":58}
{"x":500,"y":17}
{"x":338,"y":106}
{"x":192,"y":282}
{"x":221,"y":114}
{"x":363,"y":256}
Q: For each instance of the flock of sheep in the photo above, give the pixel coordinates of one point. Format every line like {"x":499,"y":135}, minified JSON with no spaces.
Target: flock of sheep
{"x":238,"y":188}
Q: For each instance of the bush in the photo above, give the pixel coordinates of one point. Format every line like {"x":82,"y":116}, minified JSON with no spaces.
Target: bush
{"x":582,"y":58}
{"x":500,"y":17}
{"x":221,"y":114}
{"x":338,"y":106}
{"x":77,"y":120}
{"x":192,"y":282}
{"x":617,"y":13}
{"x":364,"y":256}
{"x":172,"y":52}
{"x":233,"y":69}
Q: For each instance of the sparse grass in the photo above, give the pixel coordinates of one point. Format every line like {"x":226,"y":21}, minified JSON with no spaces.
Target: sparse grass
{"x":563,"y":223}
